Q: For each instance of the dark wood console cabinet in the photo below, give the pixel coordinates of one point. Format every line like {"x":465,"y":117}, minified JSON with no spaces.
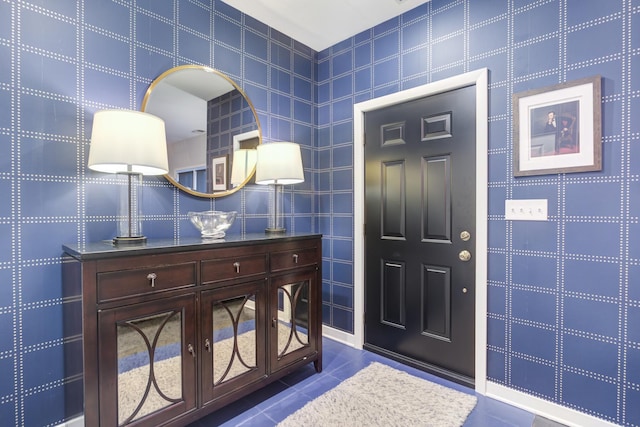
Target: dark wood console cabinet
{"x":172,"y":331}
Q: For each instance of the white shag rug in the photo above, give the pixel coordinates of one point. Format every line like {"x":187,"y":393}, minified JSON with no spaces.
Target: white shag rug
{"x":379,"y":395}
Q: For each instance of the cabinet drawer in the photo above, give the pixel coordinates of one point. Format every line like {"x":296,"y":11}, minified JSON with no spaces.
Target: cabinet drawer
{"x":233,"y":268}
{"x":126,"y":283}
{"x":293,"y":258}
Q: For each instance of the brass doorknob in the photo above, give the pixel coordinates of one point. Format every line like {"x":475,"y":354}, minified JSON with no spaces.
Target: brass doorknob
{"x":464,"y":255}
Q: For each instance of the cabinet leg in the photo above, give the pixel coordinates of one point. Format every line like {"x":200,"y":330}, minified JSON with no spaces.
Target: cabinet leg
{"x":318,"y":365}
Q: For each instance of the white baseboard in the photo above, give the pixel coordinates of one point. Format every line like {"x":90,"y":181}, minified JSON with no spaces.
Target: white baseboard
{"x":544,"y":408}
{"x":338,"y":335}
{"x":76,"y":422}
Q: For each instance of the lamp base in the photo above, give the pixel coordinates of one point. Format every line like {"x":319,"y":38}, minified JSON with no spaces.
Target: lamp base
{"x":131,"y":240}
{"x":275,"y":230}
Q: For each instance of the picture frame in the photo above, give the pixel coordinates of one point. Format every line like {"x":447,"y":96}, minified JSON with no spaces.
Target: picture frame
{"x":558,"y":129}
{"x":220,"y":173}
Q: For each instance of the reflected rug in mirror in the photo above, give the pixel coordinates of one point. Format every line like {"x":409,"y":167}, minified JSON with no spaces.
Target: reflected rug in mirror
{"x":379,"y":395}
{"x":134,"y":371}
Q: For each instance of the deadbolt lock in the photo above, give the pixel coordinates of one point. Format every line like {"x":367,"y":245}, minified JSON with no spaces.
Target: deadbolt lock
{"x":465,"y":236}
{"x":464,"y":255}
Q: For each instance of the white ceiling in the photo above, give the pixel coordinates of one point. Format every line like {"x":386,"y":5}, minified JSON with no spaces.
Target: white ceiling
{"x":180,"y":99}
{"x":322,"y":23}
{"x":317,"y":23}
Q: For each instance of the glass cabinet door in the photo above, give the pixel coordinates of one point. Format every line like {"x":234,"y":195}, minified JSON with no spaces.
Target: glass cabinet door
{"x":147,"y":361}
{"x":291,"y":316}
{"x":233,"y":338}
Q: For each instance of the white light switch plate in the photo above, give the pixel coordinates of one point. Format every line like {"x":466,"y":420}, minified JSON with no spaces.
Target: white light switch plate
{"x":526,"y":210}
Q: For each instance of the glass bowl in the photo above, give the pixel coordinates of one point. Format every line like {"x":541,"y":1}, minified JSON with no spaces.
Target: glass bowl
{"x":212,"y":224}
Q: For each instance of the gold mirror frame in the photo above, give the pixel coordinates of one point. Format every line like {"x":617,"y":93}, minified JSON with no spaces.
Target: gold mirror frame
{"x":207,"y":73}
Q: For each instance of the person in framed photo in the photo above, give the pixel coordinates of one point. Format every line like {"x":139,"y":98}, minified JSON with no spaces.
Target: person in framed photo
{"x":544,"y":131}
{"x":554,"y":129}
{"x":550,"y":125}
{"x":567,"y":143}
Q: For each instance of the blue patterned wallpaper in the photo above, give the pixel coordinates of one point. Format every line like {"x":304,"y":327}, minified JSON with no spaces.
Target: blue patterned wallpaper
{"x":564,"y":295}
{"x":61,"y":62}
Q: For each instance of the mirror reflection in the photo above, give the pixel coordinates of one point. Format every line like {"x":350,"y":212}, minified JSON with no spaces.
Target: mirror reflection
{"x":293,"y":317}
{"x":149,"y":365}
{"x":209,"y":121}
{"x":234,"y":338}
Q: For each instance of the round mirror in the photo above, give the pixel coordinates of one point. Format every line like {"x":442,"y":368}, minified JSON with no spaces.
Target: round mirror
{"x":212,"y":129}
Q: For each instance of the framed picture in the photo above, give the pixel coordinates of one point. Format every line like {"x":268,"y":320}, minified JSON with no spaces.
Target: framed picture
{"x":219,"y":172}
{"x":558,"y":129}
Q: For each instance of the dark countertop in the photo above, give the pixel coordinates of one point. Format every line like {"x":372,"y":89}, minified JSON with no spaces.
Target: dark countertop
{"x":106,"y":248}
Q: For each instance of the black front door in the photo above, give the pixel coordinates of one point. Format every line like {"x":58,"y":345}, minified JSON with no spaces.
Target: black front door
{"x":419,"y":232}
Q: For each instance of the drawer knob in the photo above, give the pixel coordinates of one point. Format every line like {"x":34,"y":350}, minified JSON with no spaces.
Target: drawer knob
{"x":152,"y":277}
{"x":236,"y":265}
{"x":295,"y":258}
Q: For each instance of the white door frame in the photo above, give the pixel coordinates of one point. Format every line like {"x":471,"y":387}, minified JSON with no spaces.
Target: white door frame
{"x":480,"y":79}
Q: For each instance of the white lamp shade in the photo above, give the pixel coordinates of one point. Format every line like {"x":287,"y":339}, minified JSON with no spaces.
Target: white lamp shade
{"x":128,"y":141}
{"x":279,"y":163}
{"x":244,"y":160}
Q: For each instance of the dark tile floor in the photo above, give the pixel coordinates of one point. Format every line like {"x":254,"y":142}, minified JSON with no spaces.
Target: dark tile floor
{"x":275,"y":402}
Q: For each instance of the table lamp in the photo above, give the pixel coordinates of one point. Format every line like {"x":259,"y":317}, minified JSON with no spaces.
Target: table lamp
{"x":278,"y":164}
{"x":130,"y":144}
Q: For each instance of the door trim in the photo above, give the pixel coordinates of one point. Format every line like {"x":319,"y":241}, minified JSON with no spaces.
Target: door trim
{"x":480,"y":79}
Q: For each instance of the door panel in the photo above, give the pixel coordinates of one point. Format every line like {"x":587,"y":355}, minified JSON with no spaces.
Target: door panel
{"x":436,"y":199}
{"x":436,"y":289}
{"x":393,"y":200}
{"x":420,"y":195}
{"x":393,"y":291}
{"x":233,"y":348}
{"x":291,"y":317}
{"x":147,"y":361}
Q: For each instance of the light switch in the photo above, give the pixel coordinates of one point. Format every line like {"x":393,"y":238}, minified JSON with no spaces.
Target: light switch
{"x":525,"y":210}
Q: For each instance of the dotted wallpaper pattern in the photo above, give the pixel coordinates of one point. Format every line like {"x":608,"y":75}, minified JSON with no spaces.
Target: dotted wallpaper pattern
{"x":564,"y":295}
{"x":60,"y":61}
